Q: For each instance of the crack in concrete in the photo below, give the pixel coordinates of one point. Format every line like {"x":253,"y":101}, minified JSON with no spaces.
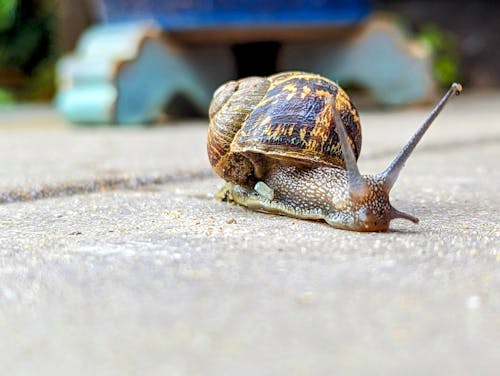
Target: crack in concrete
{"x":99,"y":185}
{"x":137,"y":182}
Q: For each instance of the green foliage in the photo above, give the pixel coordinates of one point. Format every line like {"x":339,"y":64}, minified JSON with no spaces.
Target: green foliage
{"x":42,"y":82}
{"x":28,"y":46}
{"x":446,"y":57}
{"x":6,"y":96}
{"x":7,"y":13}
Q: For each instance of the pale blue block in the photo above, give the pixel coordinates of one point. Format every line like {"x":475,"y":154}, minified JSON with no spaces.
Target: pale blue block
{"x":127,"y":74}
{"x":377,"y":56}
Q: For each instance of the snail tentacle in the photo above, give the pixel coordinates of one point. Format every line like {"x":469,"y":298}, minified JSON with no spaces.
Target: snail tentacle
{"x":390,"y":175}
{"x":357,"y":184}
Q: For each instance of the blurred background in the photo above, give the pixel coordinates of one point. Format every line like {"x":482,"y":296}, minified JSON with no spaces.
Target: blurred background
{"x":47,"y":46}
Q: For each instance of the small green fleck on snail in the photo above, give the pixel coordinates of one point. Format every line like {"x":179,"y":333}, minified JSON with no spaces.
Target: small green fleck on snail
{"x":288,"y":144}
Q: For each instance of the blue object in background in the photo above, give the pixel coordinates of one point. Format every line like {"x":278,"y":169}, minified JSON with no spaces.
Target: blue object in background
{"x":128,"y":70}
{"x":179,"y":15}
{"x":125,"y":73}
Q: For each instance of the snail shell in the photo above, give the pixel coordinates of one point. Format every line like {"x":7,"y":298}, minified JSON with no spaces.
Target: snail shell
{"x":257,"y":122}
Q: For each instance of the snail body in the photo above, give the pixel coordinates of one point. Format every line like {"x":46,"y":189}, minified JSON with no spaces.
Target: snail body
{"x":288,"y":144}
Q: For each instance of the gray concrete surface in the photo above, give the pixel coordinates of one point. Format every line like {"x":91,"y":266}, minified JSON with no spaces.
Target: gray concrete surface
{"x":161,"y":279}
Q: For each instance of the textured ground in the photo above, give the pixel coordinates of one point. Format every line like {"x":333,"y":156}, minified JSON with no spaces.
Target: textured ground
{"x":161,"y":279}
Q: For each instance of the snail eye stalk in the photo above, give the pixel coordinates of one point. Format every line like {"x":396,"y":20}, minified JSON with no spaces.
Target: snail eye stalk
{"x":358,"y":187}
{"x":390,"y":175}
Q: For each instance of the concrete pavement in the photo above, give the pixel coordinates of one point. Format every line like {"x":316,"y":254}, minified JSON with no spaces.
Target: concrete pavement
{"x":158,"y":278}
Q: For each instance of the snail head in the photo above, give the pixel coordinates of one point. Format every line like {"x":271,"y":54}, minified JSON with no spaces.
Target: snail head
{"x":368,"y":207}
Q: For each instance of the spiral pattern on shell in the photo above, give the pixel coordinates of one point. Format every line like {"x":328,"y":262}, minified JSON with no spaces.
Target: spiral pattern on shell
{"x":286,"y":118}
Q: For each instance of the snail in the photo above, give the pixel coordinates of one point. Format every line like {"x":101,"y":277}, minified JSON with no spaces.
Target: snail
{"x":288,"y":144}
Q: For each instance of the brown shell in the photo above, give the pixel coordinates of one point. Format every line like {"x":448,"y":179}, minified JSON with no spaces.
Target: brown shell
{"x":232,"y":104}
{"x":286,"y":117}
{"x":294,"y":121}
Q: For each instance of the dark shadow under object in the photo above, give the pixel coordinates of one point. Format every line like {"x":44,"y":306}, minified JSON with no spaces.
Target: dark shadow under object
{"x":180,"y":106}
{"x":256,"y":58}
